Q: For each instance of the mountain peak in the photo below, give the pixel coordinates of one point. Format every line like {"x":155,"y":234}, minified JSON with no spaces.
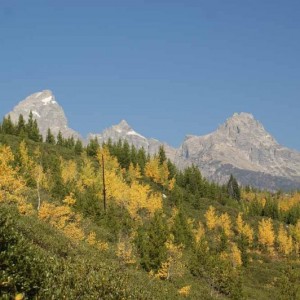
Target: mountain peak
{"x":47,"y":112}
{"x":243,"y":115}
{"x":123,"y":126}
{"x":242,"y":123}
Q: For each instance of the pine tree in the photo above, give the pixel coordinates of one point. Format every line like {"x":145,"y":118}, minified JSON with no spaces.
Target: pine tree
{"x":233,"y":188}
{"x":151,"y":243}
{"x":50,"y":139}
{"x":78,"y":147}
{"x":8,"y":126}
{"x":60,"y":139}
{"x":92,"y":147}
{"x":162,"y":155}
{"x":21,"y":126}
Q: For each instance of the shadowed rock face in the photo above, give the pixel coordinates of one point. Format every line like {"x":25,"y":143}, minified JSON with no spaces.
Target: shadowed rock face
{"x":47,"y":112}
{"x":243,"y":147}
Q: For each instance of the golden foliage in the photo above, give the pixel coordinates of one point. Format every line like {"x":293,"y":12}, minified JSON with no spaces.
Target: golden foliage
{"x":134,"y":172}
{"x":159,"y":173}
{"x":211,"y":218}
{"x":185,"y":291}
{"x":69,"y":200}
{"x":224,"y":222}
{"x":69,"y":171}
{"x":91,"y":238}
{"x":236,"y":257}
{"x":244,"y":229}
{"x":152,"y":169}
{"x":266,"y":236}
{"x":285,"y":242}
{"x":199,"y":232}
{"x":19,"y":296}
{"x":62,"y":218}
{"x":87,"y":176}
{"x":173,"y":266}
{"x":125,"y":251}
{"x":12,"y":186}
{"x":102,"y":246}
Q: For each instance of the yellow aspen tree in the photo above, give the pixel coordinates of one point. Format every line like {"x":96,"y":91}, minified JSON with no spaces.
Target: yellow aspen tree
{"x":266,"y":236}
{"x":295,"y":232}
{"x":240,"y":223}
{"x":236,"y":257}
{"x":140,"y":196}
{"x":87,"y":175}
{"x":133,"y":173}
{"x":199,"y":233}
{"x":12,"y":185}
{"x":211,"y":218}
{"x":171,"y":184}
{"x":62,"y":218}
{"x":39,"y":175}
{"x":284,"y":241}
{"x":152,"y":169}
{"x":69,"y":171}
{"x":91,"y":238}
{"x":185,"y":291}
{"x":174,"y":213}
{"x":163,"y":271}
{"x":164,"y":174}
{"x":173,"y":266}
{"x":248,"y":233}
{"x":244,"y":229}
{"x":224,"y":222}
{"x":31,"y":168}
{"x":69,"y":200}
{"x":102,"y":246}
{"x":125,"y":251}
{"x":27,"y":164}
{"x":111,"y":162}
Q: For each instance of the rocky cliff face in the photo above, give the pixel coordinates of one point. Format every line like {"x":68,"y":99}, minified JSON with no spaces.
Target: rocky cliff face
{"x":242,"y":147}
{"x":47,"y":112}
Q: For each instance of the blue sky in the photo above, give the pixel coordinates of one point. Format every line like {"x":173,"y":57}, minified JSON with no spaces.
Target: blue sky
{"x":170,"y":68}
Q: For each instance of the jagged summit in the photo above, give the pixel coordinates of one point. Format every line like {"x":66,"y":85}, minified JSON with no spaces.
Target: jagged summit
{"x":47,"y":111}
{"x":242,"y":146}
{"x":123,"y":125}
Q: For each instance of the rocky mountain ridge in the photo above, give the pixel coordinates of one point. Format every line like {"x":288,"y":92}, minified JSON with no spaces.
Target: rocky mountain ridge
{"x":47,"y":112}
{"x":241,"y":146}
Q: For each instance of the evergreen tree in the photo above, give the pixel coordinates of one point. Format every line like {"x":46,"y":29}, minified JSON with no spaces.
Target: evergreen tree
{"x":133,"y":155}
{"x":151,"y":243}
{"x":50,"y":139}
{"x":124,"y":155}
{"x":141,"y":159}
{"x":8,"y":126}
{"x":60,"y":139}
{"x":32,"y":129}
{"x":233,"y":189}
{"x":182,"y":231}
{"x":162,"y":154}
{"x":92,"y":147}
{"x":70,"y":142}
{"x":35,"y":134}
{"x":21,"y":126}
{"x":78,"y":147}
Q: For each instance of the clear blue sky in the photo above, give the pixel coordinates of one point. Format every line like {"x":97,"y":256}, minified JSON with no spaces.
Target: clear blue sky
{"x":170,"y":68}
